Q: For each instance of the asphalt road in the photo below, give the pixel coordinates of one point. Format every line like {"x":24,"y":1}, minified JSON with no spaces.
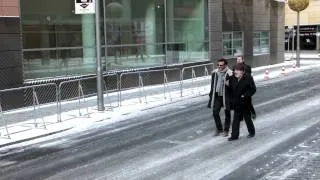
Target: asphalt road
{"x":175,"y":141}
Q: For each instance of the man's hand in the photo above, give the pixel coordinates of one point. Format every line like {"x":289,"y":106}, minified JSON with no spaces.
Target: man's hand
{"x":227,"y":83}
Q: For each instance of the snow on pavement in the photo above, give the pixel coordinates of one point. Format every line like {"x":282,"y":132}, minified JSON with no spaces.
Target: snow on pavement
{"x":25,"y":130}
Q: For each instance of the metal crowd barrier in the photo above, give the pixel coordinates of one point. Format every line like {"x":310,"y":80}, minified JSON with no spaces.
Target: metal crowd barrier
{"x":139,"y":79}
{"x":74,"y":91}
{"x":112,"y":88}
{"x":81,"y":89}
{"x":34,"y":101}
{"x":203,"y":71}
{"x":175,"y":77}
{"x":137,"y":82}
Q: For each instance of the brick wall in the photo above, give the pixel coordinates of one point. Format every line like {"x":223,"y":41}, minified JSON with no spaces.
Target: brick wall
{"x":247,"y":16}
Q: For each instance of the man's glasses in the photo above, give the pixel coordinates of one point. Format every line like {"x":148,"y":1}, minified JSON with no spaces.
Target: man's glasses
{"x":220,"y":65}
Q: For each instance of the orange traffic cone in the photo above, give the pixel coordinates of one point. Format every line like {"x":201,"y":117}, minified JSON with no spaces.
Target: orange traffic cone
{"x":266,"y":75}
{"x":283,"y":71}
{"x":294,"y":67}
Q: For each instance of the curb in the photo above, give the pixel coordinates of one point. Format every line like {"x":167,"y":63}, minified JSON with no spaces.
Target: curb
{"x":33,"y":138}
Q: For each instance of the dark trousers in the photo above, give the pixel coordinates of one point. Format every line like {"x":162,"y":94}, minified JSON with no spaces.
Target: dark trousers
{"x":218,"y":104}
{"x":242,"y":112}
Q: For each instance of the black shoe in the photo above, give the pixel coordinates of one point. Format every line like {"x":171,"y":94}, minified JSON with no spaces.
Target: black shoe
{"x":232,"y":139}
{"x":251,"y":135}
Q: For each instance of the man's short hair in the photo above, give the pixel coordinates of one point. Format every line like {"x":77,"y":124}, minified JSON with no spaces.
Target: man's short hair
{"x":241,"y":56}
{"x":223,"y":60}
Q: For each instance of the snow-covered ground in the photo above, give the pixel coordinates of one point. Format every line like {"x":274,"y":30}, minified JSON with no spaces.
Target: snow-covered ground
{"x":72,"y":122}
{"x":174,"y":140}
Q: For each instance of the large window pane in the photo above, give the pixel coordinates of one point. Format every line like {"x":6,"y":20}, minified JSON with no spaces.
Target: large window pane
{"x":261,"y":43}
{"x":135,"y":33}
{"x":186,"y":28}
{"x":135,"y":56}
{"x":69,"y":39}
{"x":232,"y":43}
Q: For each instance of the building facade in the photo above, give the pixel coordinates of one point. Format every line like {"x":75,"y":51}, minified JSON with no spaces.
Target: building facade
{"x":309,"y":30}
{"x":45,"y":39}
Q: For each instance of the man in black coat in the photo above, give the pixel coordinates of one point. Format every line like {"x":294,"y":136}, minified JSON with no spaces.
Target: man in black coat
{"x":242,"y":87}
{"x":248,"y":71}
{"x":220,"y":97}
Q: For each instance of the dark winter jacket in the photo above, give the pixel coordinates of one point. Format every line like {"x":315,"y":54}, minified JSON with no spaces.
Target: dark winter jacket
{"x":242,"y":90}
{"x":226,"y":92}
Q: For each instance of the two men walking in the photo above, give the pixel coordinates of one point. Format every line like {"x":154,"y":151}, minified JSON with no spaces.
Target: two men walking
{"x":232,"y":90}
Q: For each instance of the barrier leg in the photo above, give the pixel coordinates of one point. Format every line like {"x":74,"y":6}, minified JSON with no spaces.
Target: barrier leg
{"x":79,"y":97}
{"x":120,"y":91}
{"x":166,"y":84}
{"x":84,"y":101}
{"x":34,"y":108}
{"x":194,"y":76}
{"x":206,"y":75}
{"x":140,"y":93}
{"x":58,"y":106}
{"x":192,"y":79}
{"x":181,"y":83}
{"x":108,"y":98}
{"x":38,"y":110}
{"x":4,"y":122}
{"x":142,"y":86}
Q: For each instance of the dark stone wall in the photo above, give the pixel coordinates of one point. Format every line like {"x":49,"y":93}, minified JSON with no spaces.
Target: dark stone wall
{"x":10,"y":53}
{"x":247,"y":16}
{"x":215,"y":29}
{"x":10,"y":62}
{"x":276,"y":32}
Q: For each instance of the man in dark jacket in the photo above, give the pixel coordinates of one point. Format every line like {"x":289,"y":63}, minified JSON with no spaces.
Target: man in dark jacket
{"x":220,"y":97}
{"x":248,"y":71}
{"x":242,"y":87}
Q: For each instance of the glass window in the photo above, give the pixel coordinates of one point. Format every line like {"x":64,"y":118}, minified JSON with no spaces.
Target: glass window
{"x":261,"y":43}
{"x":134,"y":34}
{"x":232,"y":43}
{"x":56,"y":42}
{"x":186,"y":30}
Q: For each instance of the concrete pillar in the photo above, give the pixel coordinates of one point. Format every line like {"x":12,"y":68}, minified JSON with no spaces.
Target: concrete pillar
{"x":215,"y":29}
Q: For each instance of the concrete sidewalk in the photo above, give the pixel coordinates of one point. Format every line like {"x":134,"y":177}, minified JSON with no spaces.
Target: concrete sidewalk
{"x":21,"y":122}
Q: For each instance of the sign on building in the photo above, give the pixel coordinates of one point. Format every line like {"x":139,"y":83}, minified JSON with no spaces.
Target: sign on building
{"x":84,"y":6}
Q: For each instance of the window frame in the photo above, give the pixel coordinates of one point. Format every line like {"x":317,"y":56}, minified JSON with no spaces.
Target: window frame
{"x":257,"y":51}
{"x":233,"y":40}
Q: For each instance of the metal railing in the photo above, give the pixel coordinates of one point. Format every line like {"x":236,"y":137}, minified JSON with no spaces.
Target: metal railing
{"x":34,"y":97}
{"x":141,"y":79}
{"x":194,"y":73}
{"x":77,"y":96}
{"x":81,"y":90}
